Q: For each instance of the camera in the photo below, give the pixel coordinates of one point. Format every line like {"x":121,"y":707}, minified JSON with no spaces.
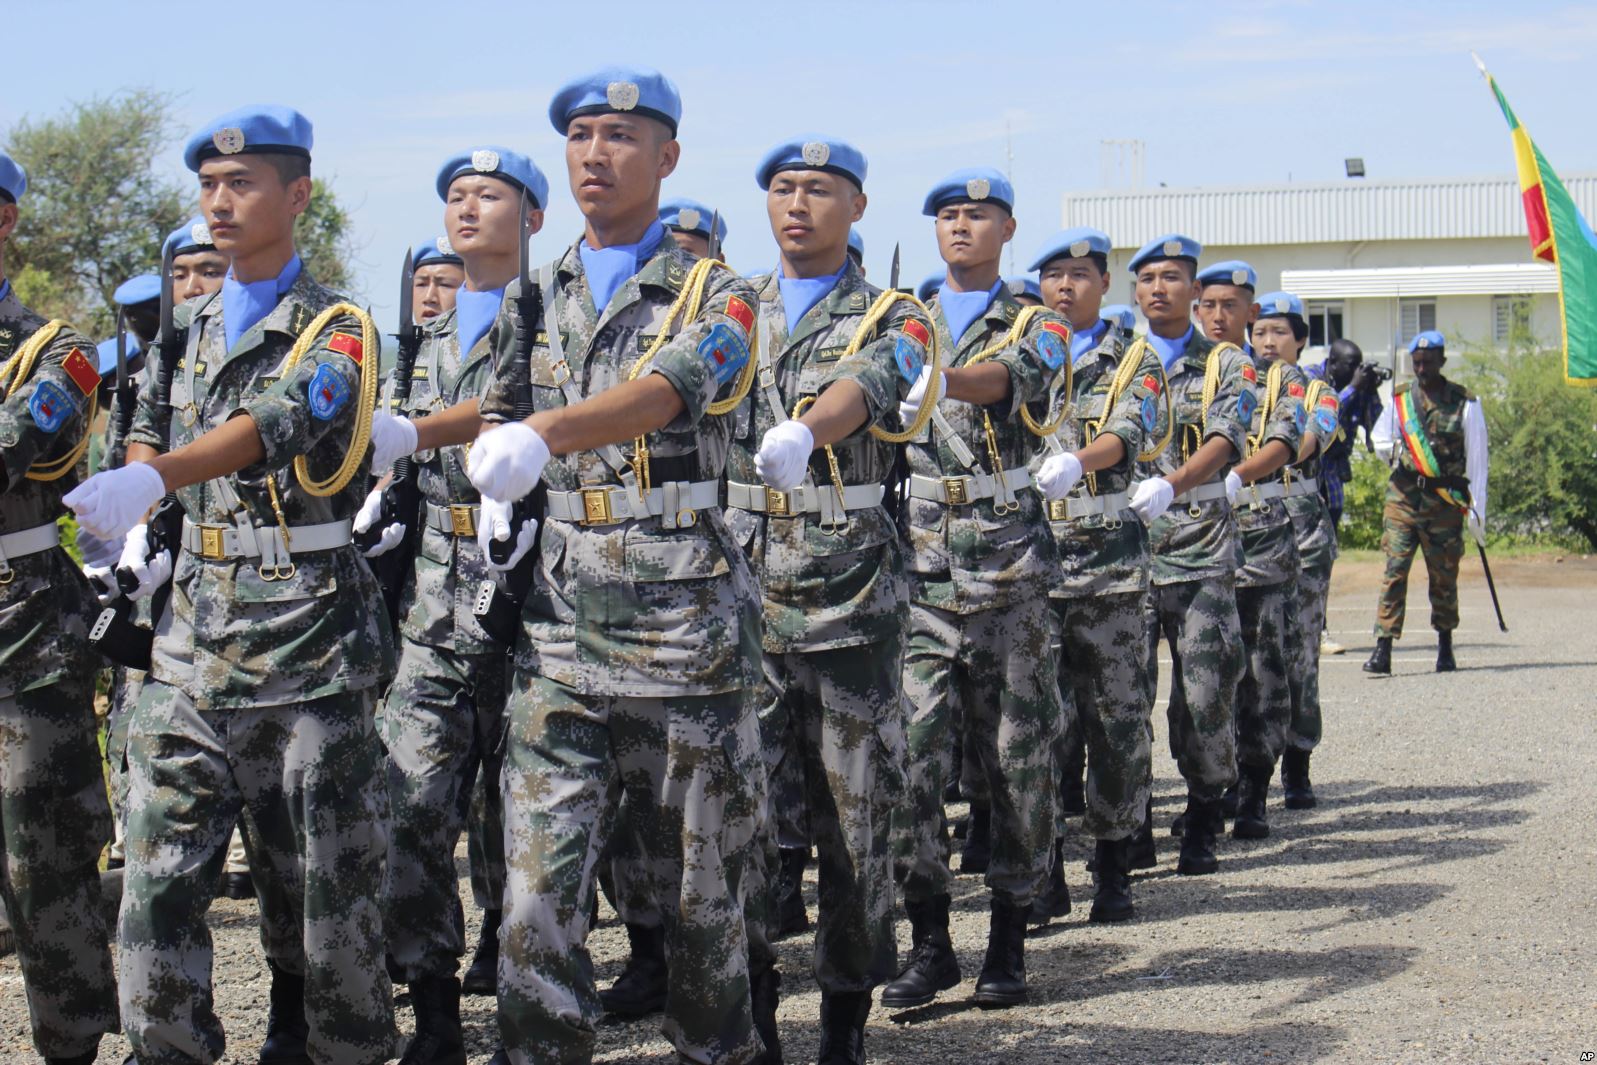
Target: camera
{"x":1378,"y":373}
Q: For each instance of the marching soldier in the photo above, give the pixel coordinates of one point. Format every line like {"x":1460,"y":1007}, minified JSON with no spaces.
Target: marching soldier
{"x":436,"y":276}
{"x":268,"y":660}
{"x":54,"y":818}
{"x":980,"y":561}
{"x":688,"y":222}
{"x":1193,"y":537}
{"x":1434,"y":435}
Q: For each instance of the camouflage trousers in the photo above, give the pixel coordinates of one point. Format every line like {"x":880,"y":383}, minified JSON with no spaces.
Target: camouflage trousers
{"x":442,"y":721}
{"x":1103,"y":664}
{"x":997,"y":667}
{"x":1314,"y":588}
{"x":1199,"y":620}
{"x":834,"y":720}
{"x":691,"y":771}
{"x":1264,"y":694}
{"x":485,"y":839}
{"x":53,"y":821}
{"x":308,"y":779}
{"x":1437,"y":530}
{"x":125,"y":686}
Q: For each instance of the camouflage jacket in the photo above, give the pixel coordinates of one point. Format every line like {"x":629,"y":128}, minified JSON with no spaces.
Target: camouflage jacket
{"x":232,"y":638}
{"x":969,"y":558}
{"x":1311,"y":518}
{"x":635,"y":608}
{"x":1268,"y":552}
{"x":1100,"y":555}
{"x":437,"y":607}
{"x":1443,"y":420}
{"x":45,"y":603}
{"x":1193,"y":542}
{"x":826,"y":588}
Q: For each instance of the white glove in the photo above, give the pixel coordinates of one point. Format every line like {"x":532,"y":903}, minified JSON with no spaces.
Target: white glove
{"x":392,"y":439}
{"x":103,"y":580}
{"x":506,"y":462}
{"x":97,"y":553}
{"x":151,"y":572}
{"x":493,"y":524}
{"x":367,"y":516}
{"x":1058,"y":474}
{"x":1233,"y":485}
{"x":1152,"y":498}
{"x":113,"y":501}
{"x":784,"y":455}
{"x":911,"y":404}
{"x":1477,"y":527}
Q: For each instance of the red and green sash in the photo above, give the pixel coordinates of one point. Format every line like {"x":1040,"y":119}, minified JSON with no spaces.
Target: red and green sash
{"x":1412,"y":426}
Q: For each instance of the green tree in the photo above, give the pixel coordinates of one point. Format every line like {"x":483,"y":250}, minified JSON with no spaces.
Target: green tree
{"x":323,"y":238}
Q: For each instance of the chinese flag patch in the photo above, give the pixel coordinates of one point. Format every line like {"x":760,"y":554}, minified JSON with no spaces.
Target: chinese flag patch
{"x":1249,"y":374}
{"x":917,"y":332}
{"x":1294,"y":390}
{"x":740,"y":312}
{"x":82,"y":371}
{"x":1151,"y":383}
{"x":1328,"y":400}
{"x":347,"y":344}
{"x":1059,"y":329}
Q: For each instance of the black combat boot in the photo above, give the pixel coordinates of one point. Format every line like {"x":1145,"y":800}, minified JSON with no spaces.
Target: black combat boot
{"x":640,"y":989}
{"x":286,"y":1030}
{"x":1380,"y":658}
{"x":1444,"y":653}
{"x":1197,"y":841}
{"x":482,"y":975}
{"x":1230,"y":801}
{"x":1002,"y":982}
{"x":1295,"y":780}
{"x":765,"y":986}
{"x":932,"y":965}
{"x":1253,"y":817}
{"x":791,"y":918}
{"x":1113,"y":899}
{"x":1055,"y":899}
{"x":843,"y":1027}
{"x":951,"y":792}
{"x":77,"y":1059}
{"x":1139,"y":848}
{"x":978,"y":849}
{"x":435,"y":1001}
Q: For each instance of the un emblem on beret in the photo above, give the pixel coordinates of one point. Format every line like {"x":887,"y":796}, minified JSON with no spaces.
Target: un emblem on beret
{"x":978,"y":188}
{"x":621,"y":95}
{"x":200,"y":233}
{"x":228,"y":141}
{"x":1423,"y":342}
{"x":1239,"y":277}
{"x":688,"y":218}
{"x":816,"y":153}
{"x":485,"y":160}
{"x":1172,"y":247}
{"x":1080,"y":249}
{"x":444,"y":247}
{"x":1282,"y":306}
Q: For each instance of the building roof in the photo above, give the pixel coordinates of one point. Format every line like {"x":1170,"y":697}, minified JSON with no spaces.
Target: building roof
{"x":1392,"y":282}
{"x":1336,"y":212}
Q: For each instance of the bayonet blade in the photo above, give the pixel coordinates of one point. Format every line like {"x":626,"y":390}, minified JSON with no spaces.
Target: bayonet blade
{"x":526,"y":255}
{"x":166,"y":334}
{"x":892,"y":277}
{"x":121,"y":352}
{"x":715,"y":229}
{"x":407,"y":296}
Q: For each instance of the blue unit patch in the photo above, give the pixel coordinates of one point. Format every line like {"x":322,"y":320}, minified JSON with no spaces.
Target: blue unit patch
{"x":1301,"y":418}
{"x":907,"y":354}
{"x":1325,"y":420}
{"x":50,"y":406}
{"x":1150,"y":414}
{"x":1052,"y":348}
{"x":1247,"y":403}
{"x":329,"y":393}
{"x":725,"y":351}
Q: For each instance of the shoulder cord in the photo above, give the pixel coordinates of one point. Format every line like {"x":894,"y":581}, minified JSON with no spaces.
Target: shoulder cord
{"x":1010,"y":339}
{"x":867,"y":331}
{"x":1272,"y":388}
{"x":15,"y":373}
{"x":1124,"y":372}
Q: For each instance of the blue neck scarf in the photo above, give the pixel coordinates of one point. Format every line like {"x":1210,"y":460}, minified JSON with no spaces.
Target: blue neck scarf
{"x":1247,"y":349}
{"x":799,"y":294}
{"x":1170,"y":350}
{"x":609,"y":268}
{"x":245,"y":304}
{"x":1085,"y":341}
{"x":5,"y":288}
{"x":960,"y":309}
{"x":474,"y":313}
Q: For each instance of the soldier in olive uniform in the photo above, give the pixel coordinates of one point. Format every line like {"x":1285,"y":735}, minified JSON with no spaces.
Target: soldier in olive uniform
{"x":54,"y":818}
{"x":980,"y":562}
{"x":435,"y":280}
{"x":1192,"y":602}
{"x":688,"y":222}
{"x":268,"y":660}
{"x":1113,"y":413}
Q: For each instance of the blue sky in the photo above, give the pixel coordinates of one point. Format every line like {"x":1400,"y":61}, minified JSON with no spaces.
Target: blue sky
{"x":1220,"y":94}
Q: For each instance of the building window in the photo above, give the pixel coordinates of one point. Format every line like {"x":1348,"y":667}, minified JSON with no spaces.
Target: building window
{"x":1325,"y":324}
{"x":1510,"y":318}
{"x":1413,"y":318}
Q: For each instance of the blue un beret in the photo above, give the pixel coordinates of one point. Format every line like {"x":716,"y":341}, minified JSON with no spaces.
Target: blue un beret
{"x":1169,"y":246}
{"x":931,"y":286}
{"x":1276,"y":304}
{"x":1120,"y":314}
{"x":138,"y":289}
{"x":617,"y":90}
{"x":856,"y":243}
{"x":106,"y":350}
{"x":193,"y":235}
{"x":1077,"y":243}
{"x":433,"y":250}
{"x":980,"y":184}
{"x":692,"y":216}
{"x":813,"y":152}
{"x":1231,"y":272}
{"x":13,"y":179}
{"x":502,"y":163}
{"x":1023,"y":286}
{"x":1430,"y":339}
{"x":259,"y":128}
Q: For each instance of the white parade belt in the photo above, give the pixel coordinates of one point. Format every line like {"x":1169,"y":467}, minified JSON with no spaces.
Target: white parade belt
{"x":970,"y":488}
{"x":805,"y":499}
{"x":1204,"y":493}
{"x":218,"y":542}
{"x":612,"y":504}
{"x":27,"y":542}
{"x":457,"y":519}
{"x":1071,"y":508}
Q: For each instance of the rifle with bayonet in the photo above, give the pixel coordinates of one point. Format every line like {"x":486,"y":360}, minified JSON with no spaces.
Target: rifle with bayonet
{"x":898,"y":479}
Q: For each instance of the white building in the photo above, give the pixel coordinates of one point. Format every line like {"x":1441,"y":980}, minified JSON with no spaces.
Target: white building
{"x":1374,"y":261}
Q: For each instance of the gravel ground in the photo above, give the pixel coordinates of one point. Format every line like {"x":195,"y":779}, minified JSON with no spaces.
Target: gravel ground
{"x":1436,"y":906}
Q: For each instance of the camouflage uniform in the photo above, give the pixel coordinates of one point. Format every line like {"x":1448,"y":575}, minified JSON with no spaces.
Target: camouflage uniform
{"x":1192,"y":602}
{"x":1267,"y":574}
{"x":260,"y":699}
{"x":53,"y":815}
{"x":1098,"y":601}
{"x":978,"y":629}
{"x":1316,"y":537}
{"x":443,"y":718}
{"x":640,"y":641}
{"x":832,"y":716}
{"x":1418,"y":518}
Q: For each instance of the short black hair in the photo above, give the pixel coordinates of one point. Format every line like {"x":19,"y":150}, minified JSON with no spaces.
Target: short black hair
{"x":290,"y":168}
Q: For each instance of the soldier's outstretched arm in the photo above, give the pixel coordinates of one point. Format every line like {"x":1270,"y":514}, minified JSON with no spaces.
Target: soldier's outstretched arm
{"x":459,"y":424}
{"x":983,"y":386}
{"x":617,"y":415}
{"x":1270,"y":457}
{"x":1204,"y":464}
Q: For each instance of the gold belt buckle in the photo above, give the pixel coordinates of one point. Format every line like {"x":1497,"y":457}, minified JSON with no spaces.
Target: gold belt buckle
{"x":211,"y":543}
{"x":461,"y":521}
{"x":1058,"y":510}
{"x":778,"y":503}
{"x":954,"y":489}
{"x":596,"y":507}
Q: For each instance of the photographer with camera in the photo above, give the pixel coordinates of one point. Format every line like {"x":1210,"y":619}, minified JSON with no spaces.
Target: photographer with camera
{"x":1357,"y":385}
